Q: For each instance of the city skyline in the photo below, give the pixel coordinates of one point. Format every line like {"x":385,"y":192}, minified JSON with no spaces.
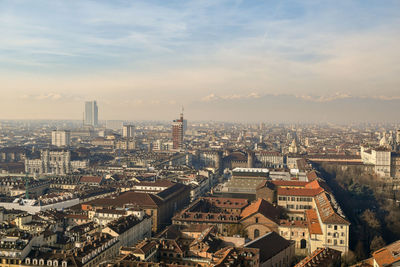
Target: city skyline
{"x":220,"y":59}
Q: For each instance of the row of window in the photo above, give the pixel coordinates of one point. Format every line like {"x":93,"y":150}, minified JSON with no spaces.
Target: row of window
{"x":299,"y":207}
{"x":335,"y":242}
{"x":299,"y":199}
{"x":293,"y":233}
{"x":335,"y":227}
{"x":335,"y":234}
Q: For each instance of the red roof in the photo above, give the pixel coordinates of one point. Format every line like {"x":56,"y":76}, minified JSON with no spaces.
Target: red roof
{"x":299,"y":191}
{"x":313,"y":223}
{"x":289,"y":183}
{"x":388,"y":255}
{"x":90,"y":179}
{"x":313,"y":185}
{"x":263,"y":207}
{"x":312,"y":175}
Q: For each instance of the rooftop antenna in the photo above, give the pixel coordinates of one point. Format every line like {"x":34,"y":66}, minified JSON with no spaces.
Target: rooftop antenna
{"x":182,"y":113}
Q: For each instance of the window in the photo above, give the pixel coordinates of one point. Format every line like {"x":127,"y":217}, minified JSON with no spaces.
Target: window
{"x":256,"y":233}
{"x":335,"y":227}
{"x":329,"y":226}
{"x":256,"y":219}
{"x":342,"y":242}
{"x":329,"y":241}
{"x":303,"y":243}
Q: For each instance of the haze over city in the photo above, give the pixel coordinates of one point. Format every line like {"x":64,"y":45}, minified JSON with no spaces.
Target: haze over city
{"x":293,"y":61}
{"x":207,"y":133}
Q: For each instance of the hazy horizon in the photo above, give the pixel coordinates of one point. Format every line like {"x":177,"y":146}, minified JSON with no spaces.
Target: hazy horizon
{"x":240,"y":61}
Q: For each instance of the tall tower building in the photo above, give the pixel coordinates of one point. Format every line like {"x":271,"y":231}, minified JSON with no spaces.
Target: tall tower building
{"x":128,"y":131}
{"x":91,"y":113}
{"x":177,"y":132}
{"x":398,"y":137}
{"x":60,"y":138}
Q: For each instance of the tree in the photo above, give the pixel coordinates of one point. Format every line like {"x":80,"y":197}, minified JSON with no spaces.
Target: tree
{"x":348,"y":259}
{"x":360,"y":250}
{"x":370,"y":218}
{"x":377,"y":243}
{"x":237,"y":229}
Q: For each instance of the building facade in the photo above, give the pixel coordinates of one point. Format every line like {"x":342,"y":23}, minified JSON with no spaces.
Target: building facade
{"x":91,"y":113}
{"x":60,"y":138}
{"x":177,"y":133}
{"x":128,"y":131}
{"x":54,"y":162}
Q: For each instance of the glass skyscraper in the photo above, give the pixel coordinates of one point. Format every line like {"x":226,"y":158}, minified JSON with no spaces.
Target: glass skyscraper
{"x":91,"y":113}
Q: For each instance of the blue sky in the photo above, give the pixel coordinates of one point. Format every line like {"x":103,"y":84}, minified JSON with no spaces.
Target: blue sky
{"x":136,"y":55}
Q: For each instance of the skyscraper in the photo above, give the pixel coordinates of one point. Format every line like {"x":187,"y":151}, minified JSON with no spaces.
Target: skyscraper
{"x":177,"y":132}
{"x":91,"y":113}
{"x":398,"y":137}
{"x":128,"y":131}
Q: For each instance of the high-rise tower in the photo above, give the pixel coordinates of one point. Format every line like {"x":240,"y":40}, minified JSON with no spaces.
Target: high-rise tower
{"x":177,"y":132}
{"x":128,"y":131}
{"x":91,"y":113}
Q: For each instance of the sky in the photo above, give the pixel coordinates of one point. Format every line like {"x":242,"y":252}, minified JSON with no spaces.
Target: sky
{"x":280,"y":61}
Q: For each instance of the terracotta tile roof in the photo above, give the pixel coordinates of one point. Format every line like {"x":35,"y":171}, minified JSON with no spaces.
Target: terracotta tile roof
{"x":143,"y":247}
{"x":309,"y":192}
{"x":313,"y":224}
{"x":320,"y":257}
{"x":313,"y":185}
{"x":229,"y":203}
{"x":388,"y":255}
{"x":77,"y":216}
{"x":263,"y":207}
{"x":365,"y":263}
{"x":130,"y":197}
{"x":287,"y":183}
{"x":141,"y":199}
{"x":90,"y":179}
{"x":266,"y":183}
{"x":327,"y":212}
{"x":312,"y":175}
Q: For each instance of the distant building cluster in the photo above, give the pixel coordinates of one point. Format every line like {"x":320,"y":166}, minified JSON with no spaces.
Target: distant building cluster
{"x":124,"y":193}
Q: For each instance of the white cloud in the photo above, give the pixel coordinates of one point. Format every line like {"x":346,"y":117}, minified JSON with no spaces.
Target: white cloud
{"x":50,"y":96}
{"x":328,"y":98}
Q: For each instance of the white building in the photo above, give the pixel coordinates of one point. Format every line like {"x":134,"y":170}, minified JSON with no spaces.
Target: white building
{"x":60,"y":138}
{"x":33,"y":206}
{"x":54,"y":162}
{"x":380,"y":158}
{"x":130,"y":229}
{"x":128,"y":131}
